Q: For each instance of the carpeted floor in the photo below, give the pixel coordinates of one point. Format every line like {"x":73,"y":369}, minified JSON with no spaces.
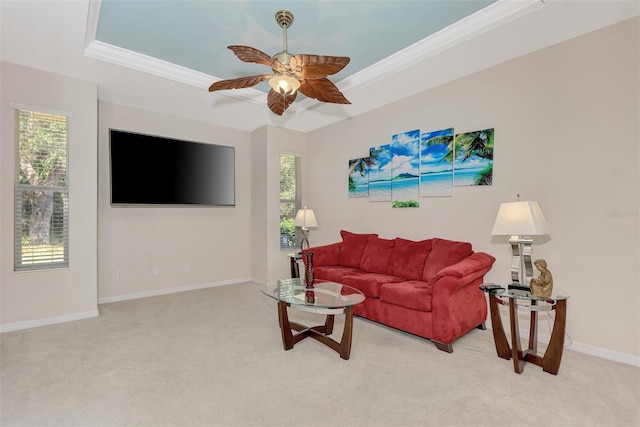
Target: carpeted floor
{"x":214,"y":357}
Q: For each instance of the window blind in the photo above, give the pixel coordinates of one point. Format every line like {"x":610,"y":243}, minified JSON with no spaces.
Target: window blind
{"x":290,"y":199}
{"x":41,"y":191}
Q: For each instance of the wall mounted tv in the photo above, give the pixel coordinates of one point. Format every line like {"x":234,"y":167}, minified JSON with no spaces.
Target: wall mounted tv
{"x":152,"y":170}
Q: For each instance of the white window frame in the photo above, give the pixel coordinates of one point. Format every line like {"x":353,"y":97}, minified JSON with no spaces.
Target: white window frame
{"x":28,"y":257}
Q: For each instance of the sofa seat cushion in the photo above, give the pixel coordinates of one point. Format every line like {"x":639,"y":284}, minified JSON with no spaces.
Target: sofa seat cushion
{"x":413,"y":294}
{"x":333,"y":273}
{"x":376,"y":255}
{"x":443,"y":254}
{"x":353,"y":246}
{"x":408,"y":258}
{"x":369,"y":283}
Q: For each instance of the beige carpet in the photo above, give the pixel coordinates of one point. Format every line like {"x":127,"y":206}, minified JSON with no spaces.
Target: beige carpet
{"x":214,"y":357}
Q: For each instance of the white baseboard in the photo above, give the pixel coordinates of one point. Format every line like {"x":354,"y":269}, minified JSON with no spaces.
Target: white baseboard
{"x":603,"y":353}
{"x":615,"y":356}
{"x":157,"y":292}
{"x":16,"y":326}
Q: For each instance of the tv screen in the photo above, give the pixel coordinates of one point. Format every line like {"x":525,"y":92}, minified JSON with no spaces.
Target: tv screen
{"x":152,"y":170}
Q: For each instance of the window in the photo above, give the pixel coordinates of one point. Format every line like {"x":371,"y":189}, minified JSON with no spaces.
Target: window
{"x":290,"y":199}
{"x":41,"y":216}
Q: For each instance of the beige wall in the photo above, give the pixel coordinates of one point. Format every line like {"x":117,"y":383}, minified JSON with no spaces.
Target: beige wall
{"x":41,"y":297}
{"x":211,"y":242}
{"x":566,"y":125}
{"x":567,"y":135}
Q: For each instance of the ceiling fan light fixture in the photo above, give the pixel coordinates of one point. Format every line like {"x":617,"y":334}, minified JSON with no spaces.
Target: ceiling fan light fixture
{"x":284,"y":83}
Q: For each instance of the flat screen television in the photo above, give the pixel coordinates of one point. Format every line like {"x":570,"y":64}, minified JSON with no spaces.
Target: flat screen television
{"x":153,"y":170}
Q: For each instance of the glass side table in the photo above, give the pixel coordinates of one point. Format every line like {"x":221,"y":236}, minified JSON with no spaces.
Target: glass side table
{"x":519,"y":300}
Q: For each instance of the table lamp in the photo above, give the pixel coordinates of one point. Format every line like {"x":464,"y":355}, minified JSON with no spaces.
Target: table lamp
{"x":520,"y":220}
{"x":305,"y":219}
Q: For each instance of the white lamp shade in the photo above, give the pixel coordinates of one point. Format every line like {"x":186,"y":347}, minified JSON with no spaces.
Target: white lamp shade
{"x":520,"y":219}
{"x":305,"y":218}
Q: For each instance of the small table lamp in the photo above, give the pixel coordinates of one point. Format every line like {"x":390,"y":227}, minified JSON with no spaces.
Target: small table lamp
{"x":305,"y":219}
{"x":520,"y":220}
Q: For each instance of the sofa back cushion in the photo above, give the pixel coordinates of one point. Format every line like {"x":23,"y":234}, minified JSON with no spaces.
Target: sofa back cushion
{"x":443,"y":254}
{"x":408,"y":258}
{"x":353,"y":245}
{"x":376,"y":255}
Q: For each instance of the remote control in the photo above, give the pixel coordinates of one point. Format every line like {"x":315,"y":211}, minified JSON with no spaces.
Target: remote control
{"x":491,"y":287}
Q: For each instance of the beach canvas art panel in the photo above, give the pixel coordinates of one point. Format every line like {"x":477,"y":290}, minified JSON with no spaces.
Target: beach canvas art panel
{"x":405,"y":179}
{"x":436,"y":163}
{"x":380,"y":173}
{"x":473,"y":164}
{"x":359,"y":177}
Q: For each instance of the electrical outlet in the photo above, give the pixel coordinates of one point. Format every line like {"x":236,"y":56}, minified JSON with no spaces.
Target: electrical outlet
{"x":119,"y":274}
{"x":178,"y":269}
{"x":235,"y":262}
{"x":156,"y":271}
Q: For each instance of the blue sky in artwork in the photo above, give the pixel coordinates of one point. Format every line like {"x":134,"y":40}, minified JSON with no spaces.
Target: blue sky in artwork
{"x":432,"y":157}
{"x":406,"y":153}
{"x":381,"y":169}
{"x":474,"y":162}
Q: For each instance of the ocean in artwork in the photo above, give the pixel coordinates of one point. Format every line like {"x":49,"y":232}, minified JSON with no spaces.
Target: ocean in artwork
{"x":436,"y":184}
{"x":361,"y":190}
{"x":466,"y":176}
{"x":380,"y":191}
{"x":436,"y":172}
{"x":405,"y":184}
{"x":405,"y":189}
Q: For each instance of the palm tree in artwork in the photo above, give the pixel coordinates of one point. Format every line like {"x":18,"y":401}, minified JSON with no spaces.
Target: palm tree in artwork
{"x":442,"y":140}
{"x":468,"y":145}
{"x":478,"y":143}
{"x":360,"y":166}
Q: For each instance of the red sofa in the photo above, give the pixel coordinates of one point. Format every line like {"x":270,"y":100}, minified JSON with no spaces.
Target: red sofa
{"x":428,"y":288}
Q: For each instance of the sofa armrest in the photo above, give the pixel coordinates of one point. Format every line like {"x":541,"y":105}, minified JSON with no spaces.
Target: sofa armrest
{"x":470,"y":266}
{"x":325,"y":254}
{"x":457,"y":304}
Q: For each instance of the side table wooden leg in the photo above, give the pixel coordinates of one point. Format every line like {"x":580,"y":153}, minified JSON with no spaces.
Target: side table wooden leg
{"x":347,"y":334}
{"x":533,"y":330}
{"x":516,"y":350}
{"x":499,"y":337}
{"x":553,"y":355}
{"x":285,"y":327}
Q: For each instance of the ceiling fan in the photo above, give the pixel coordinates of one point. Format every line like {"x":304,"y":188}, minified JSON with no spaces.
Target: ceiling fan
{"x":291,"y":73}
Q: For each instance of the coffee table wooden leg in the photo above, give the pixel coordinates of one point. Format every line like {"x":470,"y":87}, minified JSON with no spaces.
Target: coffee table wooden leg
{"x":285,"y":327}
{"x":499,"y":337}
{"x":347,"y":334}
{"x":553,"y":355}
{"x":328,"y":324}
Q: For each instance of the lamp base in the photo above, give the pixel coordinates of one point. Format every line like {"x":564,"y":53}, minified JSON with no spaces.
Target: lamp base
{"x":305,"y":239}
{"x":521,"y":268}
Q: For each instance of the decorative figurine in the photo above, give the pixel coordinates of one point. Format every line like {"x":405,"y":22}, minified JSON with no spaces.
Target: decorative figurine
{"x":542,"y":286}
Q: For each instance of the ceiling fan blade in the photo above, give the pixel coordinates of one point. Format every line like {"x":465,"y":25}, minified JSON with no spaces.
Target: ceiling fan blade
{"x":278,"y":103}
{"x":239,"y":83}
{"x":323,"y":90}
{"x":317,"y":66}
{"x":250,"y":54}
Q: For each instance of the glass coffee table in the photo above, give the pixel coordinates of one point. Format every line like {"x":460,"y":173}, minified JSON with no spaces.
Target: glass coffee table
{"x":327,"y":298}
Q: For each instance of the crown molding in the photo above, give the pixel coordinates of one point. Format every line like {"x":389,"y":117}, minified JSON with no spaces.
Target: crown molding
{"x":480,"y":22}
{"x":491,"y":17}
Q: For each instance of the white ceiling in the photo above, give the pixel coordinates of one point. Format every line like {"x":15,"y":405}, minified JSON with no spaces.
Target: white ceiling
{"x":141,"y":53}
